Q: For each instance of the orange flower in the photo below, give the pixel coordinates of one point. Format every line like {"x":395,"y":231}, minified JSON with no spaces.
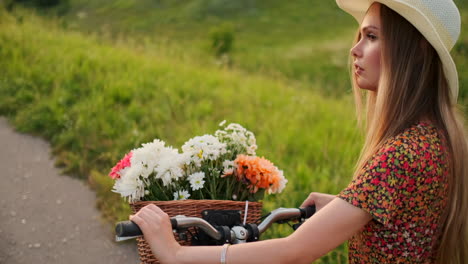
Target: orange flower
{"x":258,"y":173}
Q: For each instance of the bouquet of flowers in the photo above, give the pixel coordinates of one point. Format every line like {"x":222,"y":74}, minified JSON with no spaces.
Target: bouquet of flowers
{"x":223,"y":166}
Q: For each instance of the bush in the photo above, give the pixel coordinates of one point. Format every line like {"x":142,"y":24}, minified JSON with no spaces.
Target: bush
{"x":222,"y":39}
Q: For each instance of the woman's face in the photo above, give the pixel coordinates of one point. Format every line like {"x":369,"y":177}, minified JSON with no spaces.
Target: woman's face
{"x":366,"y":52}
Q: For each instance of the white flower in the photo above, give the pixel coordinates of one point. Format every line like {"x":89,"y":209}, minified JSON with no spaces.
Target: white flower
{"x":181,"y":195}
{"x":130,"y":186}
{"x":283,"y":183}
{"x":238,"y":138}
{"x":145,"y":159}
{"x":236,"y":127}
{"x":202,"y":148}
{"x":220,"y":134}
{"x":157,"y":145}
{"x":222,"y":123}
{"x":169,"y":166}
{"x":154,"y":159}
{"x":280,"y":187}
{"x":251,"y":150}
{"x":229,"y":167}
{"x":196,"y":180}
{"x":251,"y":141}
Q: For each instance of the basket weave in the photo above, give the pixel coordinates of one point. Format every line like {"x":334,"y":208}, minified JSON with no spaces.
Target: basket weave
{"x":192,"y":208}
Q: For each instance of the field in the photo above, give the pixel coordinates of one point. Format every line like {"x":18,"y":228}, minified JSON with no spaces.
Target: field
{"x":99,"y":80}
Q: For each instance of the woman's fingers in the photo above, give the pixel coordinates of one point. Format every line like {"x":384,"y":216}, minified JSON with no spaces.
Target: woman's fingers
{"x":157,"y":230}
{"x":150,"y":220}
{"x":139,"y":221}
{"x":152,"y":208}
{"x":157,"y":210}
{"x":151,"y":217}
{"x":309,"y":201}
{"x":318,"y":199}
{"x":150,"y":213}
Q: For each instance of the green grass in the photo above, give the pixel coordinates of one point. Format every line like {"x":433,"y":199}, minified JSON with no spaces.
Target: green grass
{"x":141,"y":70}
{"x":272,"y":37}
{"x":94,"y":102}
{"x":301,"y":40}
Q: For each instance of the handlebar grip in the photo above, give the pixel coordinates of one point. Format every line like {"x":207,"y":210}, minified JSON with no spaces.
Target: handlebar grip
{"x":173,"y":223}
{"x":308,"y":211}
{"x":130,"y":229}
{"x":127,"y":229}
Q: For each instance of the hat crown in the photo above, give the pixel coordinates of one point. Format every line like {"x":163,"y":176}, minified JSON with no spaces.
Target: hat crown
{"x":444,"y":16}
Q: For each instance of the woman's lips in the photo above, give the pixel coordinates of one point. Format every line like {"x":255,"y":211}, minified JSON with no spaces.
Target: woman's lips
{"x":357,"y":69}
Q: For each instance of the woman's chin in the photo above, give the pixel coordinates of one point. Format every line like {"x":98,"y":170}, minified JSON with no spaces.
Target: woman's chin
{"x":366,"y":87}
{"x":364,"y":84}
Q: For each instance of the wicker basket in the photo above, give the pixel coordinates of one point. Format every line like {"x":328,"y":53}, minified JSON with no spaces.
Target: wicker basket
{"x":192,"y":208}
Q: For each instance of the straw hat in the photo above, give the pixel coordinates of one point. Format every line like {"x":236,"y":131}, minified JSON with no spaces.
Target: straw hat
{"x":437,"y":20}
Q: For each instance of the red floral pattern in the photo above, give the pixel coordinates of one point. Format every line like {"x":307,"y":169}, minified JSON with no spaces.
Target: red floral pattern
{"x":404,"y":186}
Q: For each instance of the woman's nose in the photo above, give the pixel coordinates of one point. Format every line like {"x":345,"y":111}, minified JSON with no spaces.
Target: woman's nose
{"x":356,"y":51}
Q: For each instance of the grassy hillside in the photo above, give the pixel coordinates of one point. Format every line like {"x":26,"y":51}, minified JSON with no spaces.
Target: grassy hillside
{"x":107,"y":76}
{"x":94,"y":102}
{"x":302,"y":40}
{"x":273,"y":37}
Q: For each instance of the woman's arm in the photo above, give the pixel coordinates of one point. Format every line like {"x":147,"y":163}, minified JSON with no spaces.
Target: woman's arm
{"x":331,"y":226}
{"x":328,"y":228}
{"x":318,"y":199}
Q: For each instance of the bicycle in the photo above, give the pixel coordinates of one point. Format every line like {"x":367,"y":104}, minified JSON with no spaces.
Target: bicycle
{"x":217,"y":227}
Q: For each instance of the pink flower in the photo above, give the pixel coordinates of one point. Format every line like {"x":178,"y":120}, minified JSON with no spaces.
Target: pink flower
{"x":122,"y":164}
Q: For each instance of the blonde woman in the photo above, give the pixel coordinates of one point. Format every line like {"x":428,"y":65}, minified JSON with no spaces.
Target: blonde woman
{"x":408,"y":200}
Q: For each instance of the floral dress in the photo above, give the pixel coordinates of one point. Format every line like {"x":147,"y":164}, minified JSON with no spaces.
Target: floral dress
{"x":404,"y":186}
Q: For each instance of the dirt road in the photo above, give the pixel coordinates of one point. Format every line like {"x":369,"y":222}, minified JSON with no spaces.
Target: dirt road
{"x":46,"y":217}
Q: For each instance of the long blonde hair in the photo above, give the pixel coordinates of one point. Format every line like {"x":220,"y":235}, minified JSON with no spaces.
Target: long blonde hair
{"x":409,"y":90}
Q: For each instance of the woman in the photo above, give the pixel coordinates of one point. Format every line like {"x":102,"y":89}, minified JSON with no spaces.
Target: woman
{"x":407,"y":202}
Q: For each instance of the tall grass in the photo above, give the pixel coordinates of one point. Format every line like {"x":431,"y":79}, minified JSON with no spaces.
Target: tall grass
{"x":301,"y":40}
{"x":94,"y":102}
{"x":96,"y":97}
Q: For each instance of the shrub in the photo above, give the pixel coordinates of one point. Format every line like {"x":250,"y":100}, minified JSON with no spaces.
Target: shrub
{"x":222,"y":39}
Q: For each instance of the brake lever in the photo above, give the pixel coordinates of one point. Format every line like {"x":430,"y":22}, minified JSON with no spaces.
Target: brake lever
{"x":296,"y":226}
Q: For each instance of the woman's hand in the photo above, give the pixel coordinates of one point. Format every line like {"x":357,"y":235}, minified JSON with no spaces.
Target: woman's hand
{"x":318,"y":199}
{"x":157,"y":230}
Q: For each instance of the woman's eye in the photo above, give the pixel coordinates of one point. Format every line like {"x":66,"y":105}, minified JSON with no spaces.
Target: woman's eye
{"x":371,"y":37}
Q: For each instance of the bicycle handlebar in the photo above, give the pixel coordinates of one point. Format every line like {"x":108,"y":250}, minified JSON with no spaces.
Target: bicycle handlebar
{"x":128,"y":229}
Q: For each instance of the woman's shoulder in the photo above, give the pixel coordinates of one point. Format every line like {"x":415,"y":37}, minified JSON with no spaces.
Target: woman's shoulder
{"x":418,"y":136}
{"x":417,"y":143}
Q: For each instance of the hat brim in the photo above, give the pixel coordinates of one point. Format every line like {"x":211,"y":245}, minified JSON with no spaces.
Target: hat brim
{"x":358,"y":9}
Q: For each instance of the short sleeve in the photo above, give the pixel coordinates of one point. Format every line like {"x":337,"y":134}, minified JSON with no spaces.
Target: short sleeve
{"x":375,"y":188}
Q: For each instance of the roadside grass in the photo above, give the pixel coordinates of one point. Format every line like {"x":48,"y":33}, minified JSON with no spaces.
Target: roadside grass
{"x":270,"y":37}
{"x":94,"y":102}
{"x":96,"y":96}
{"x":302,"y":40}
